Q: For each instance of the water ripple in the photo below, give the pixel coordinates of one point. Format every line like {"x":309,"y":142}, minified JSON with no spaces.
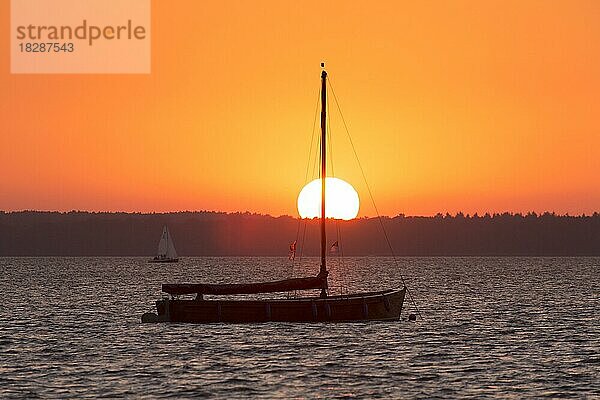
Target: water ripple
{"x":494,"y":327}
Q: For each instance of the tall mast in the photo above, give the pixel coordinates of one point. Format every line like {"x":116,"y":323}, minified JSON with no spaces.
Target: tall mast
{"x":323,"y":169}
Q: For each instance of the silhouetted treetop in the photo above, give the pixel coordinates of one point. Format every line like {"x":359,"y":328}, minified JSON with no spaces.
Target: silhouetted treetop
{"x":78,"y":233}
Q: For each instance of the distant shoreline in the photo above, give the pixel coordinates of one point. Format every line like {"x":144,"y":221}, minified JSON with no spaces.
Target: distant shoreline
{"x":215,"y":212}
{"x":218,"y":234}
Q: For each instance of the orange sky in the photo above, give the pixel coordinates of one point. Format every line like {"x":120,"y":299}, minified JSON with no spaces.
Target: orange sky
{"x":453,"y":106}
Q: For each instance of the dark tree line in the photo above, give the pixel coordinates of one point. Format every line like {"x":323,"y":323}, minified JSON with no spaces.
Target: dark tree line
{"x":33,"y":233}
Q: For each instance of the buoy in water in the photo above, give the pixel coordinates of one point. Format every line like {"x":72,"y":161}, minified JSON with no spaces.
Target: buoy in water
{"x":149,"y":317}
{"x":412,"y":317}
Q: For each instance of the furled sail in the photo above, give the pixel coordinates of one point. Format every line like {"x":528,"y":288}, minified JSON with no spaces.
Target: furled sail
{"x":176,"y":289}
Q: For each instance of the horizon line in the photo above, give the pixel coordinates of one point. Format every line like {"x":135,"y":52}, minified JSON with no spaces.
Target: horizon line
{"x":438,"y":214}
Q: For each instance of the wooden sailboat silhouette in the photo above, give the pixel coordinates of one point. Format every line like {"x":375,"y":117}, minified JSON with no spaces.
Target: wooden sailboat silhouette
{"x":382,"y":305}
{"x":166,"y":252}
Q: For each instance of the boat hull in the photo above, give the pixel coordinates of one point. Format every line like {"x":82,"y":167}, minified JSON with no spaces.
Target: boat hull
{"x":375,"y":306}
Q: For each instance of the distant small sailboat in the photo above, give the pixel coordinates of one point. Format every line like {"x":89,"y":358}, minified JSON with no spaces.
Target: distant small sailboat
{"x":166,"y":249}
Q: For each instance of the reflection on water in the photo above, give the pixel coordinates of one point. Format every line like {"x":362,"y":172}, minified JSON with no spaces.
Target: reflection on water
{"x":496,"y":327}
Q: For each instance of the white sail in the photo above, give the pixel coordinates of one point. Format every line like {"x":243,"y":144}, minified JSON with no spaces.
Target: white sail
{"x":162,"y":244}
{"x":171,"y":253}
{"x":166,"y":248}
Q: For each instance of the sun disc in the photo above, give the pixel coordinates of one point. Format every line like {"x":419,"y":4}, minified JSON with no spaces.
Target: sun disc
{"x":342,"y":200}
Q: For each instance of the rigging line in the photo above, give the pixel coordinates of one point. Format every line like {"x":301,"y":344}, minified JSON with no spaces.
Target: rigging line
{"x":316,"y":172}
{"x":312,"y":140}
{"x":329,"y":133}
{"x":341,"y":265}
{"x":315,"y":165}
{"x":387,"y":239}
{"x":317,"y":161}
{"x":330,"y":158}
{"x":302,"y":248}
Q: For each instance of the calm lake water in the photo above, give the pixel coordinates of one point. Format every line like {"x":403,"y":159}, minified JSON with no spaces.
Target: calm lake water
{"x":492,"y":327}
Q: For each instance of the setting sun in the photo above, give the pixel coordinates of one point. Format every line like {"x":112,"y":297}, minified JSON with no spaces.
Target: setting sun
{"x":342,"y":200}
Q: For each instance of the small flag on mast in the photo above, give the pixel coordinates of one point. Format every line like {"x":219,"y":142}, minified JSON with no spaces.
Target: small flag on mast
{"x":335,"y":248}
{"x":292,"y":254}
